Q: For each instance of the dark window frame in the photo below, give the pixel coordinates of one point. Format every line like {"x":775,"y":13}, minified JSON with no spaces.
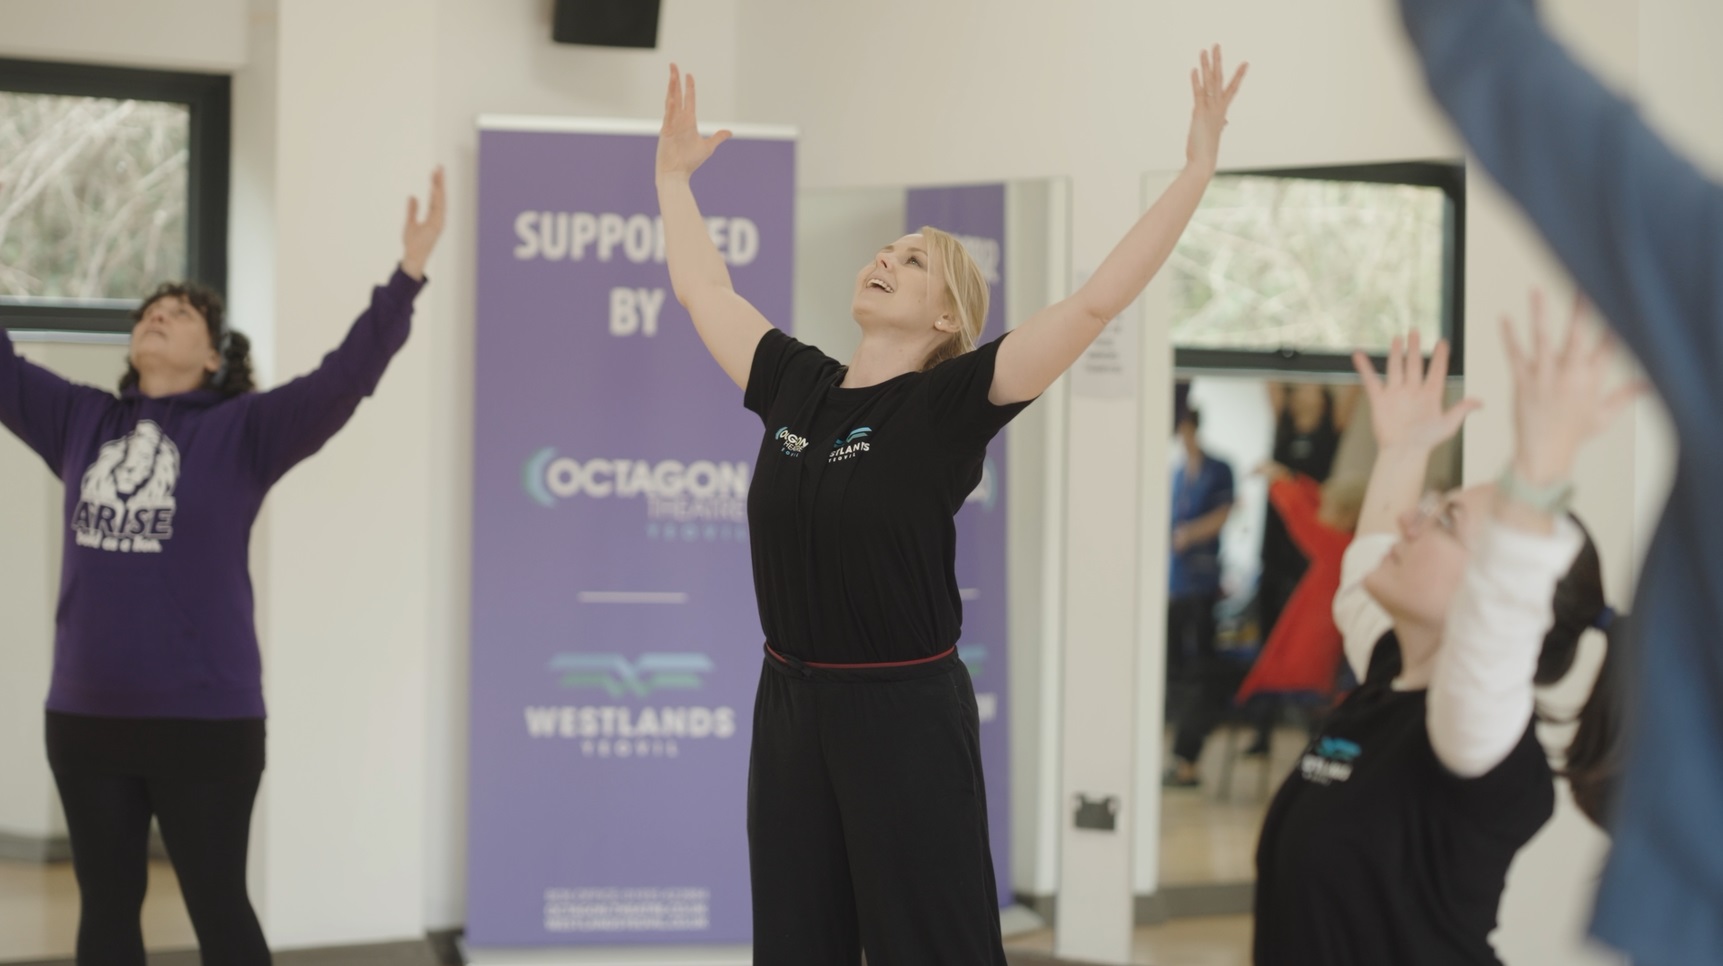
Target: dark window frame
{"x":1448,"y":176}
{"x":209,"y":98}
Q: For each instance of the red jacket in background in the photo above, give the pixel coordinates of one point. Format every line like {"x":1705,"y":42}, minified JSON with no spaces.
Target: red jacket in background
{"x":1304,"y":651}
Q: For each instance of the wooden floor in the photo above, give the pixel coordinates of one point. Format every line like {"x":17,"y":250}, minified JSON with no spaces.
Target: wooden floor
{"x":39,"y":914}
{"x":1208,"y":837}
{"x":1217,"y":941}
{"x":39,"y":911}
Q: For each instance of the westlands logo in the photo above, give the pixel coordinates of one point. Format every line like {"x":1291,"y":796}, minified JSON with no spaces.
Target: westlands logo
{"x":851,"y":446}
{"x":620,"y":677}
{"x":631,"y":730}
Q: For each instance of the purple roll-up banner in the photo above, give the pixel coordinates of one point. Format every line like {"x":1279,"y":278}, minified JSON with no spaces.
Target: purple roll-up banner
{"x":615,"y":639}
{"x":976,"y":215}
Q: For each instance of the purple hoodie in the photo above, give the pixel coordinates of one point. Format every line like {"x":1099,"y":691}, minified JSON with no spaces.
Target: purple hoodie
{"x":155,"y":618}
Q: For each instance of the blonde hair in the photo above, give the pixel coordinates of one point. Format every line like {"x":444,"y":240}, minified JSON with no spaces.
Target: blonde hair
{"x":965,"y":295}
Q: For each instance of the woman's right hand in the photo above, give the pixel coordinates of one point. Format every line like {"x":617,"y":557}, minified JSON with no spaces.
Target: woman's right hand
{"x":681,"y":149}
{"x":1406,"y":409}
{"x":1560,"y":397}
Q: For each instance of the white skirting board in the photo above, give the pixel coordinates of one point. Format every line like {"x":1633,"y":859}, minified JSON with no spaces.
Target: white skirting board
{"x":1013,"y":921}
{"x":611,"y":956}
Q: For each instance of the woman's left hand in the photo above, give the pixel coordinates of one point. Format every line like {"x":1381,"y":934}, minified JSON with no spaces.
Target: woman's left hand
{"x":420,"y":237}
{"x":1213,"y":95}
{"x":1560,"y":400}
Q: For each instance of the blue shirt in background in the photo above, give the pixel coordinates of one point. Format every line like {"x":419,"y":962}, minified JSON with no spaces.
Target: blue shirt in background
{"x":1197,"y":570}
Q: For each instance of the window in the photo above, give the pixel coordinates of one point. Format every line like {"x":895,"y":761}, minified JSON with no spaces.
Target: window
{"x":1293,"y":270}
{"x":111,"y":181}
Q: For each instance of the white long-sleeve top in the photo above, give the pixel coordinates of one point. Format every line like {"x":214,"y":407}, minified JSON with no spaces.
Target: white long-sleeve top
{"x":1480,"y":697}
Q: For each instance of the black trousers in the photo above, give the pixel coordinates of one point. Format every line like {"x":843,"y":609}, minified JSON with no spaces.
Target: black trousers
{"x":867,"y":819}
{"x":199,"y":780}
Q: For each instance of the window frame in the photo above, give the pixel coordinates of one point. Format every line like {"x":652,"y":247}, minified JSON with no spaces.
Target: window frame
{"x":209,"y":99}
{"x":1450,"y":178}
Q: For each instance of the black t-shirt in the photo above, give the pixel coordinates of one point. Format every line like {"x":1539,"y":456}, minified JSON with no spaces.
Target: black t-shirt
{"x":1374,"y":853}
{"x":851,"y":506}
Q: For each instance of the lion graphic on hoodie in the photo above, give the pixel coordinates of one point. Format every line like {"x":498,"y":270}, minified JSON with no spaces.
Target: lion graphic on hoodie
{"x":126,"y":500}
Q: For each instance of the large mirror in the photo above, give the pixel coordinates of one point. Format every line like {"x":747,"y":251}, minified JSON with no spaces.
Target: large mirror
{"x":1280,"y":276}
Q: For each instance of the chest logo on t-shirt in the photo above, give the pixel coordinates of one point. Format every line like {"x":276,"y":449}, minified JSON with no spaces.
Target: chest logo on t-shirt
{"x":851,"y":446}
{"x":126,"y":499}
{"x":1329,"y":761}
{"x":792,"y":444}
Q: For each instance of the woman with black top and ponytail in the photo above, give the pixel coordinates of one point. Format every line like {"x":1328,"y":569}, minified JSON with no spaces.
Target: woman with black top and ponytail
{"x":1391,"y":840}
{"x":155,"y":709}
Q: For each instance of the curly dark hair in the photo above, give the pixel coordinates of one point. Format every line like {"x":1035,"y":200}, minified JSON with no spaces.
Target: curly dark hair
{"x":235,"y":375}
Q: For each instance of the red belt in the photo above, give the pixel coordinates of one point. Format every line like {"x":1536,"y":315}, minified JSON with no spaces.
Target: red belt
{"x":861,"y":667}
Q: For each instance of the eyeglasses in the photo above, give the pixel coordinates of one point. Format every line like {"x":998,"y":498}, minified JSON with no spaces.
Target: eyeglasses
{"x":1434,"y":508}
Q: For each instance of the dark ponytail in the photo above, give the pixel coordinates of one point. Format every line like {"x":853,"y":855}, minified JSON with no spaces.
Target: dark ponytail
{"x":234,"y":376}
{"x":1593,"y":758}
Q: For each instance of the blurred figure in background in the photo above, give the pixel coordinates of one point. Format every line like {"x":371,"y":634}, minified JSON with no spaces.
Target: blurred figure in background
{"x":1202,"y":500}
{"x":1302,"y":657}
{"x":1309,"y":420}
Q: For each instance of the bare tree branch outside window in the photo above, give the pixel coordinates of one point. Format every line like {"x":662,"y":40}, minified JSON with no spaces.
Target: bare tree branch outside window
{"x":1320,"y":266}
{"x":92,"y":197}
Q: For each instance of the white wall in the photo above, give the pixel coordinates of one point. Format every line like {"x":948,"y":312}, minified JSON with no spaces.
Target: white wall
{"x":196,"y":35}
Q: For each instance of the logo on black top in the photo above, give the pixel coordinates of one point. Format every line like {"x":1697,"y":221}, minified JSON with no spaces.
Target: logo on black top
{"x":793,"y":444}
{"x":1329,"y":761}
{"x":851,"y":446}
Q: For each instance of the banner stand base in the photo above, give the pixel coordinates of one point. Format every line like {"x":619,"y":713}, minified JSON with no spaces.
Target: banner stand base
{"x":1014,"y":920}
{"x":609,"y":956}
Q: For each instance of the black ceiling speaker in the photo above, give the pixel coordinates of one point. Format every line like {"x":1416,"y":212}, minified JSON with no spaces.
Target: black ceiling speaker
{"x":607,"y":23}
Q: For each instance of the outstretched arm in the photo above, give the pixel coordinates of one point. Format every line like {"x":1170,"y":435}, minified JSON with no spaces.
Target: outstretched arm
{"x":36,"y":405}
{"x":293,"y":421}
{"x":1044,"y":346}
{"x":729,"y":325}
{"x":1409,"y":422}
{"x":1481,"y":699}
{"x":1639,"y":227}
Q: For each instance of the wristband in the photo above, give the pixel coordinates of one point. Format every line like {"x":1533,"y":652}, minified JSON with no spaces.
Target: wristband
{"x":1552,"y":499}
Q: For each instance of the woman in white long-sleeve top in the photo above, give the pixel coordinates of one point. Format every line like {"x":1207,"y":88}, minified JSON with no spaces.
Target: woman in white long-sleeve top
{"x":1391,"y":840}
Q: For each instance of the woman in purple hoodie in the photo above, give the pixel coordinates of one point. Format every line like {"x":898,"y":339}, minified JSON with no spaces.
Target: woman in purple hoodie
{"x":156,"y":705}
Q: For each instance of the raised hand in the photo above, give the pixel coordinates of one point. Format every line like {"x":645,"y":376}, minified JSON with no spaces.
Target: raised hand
{"x":1406,"y":408}
{"x":681,"y":149}
{"x":1213,"y":95}
{"x":1560,"y":399}
{"x":419,"y":238}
